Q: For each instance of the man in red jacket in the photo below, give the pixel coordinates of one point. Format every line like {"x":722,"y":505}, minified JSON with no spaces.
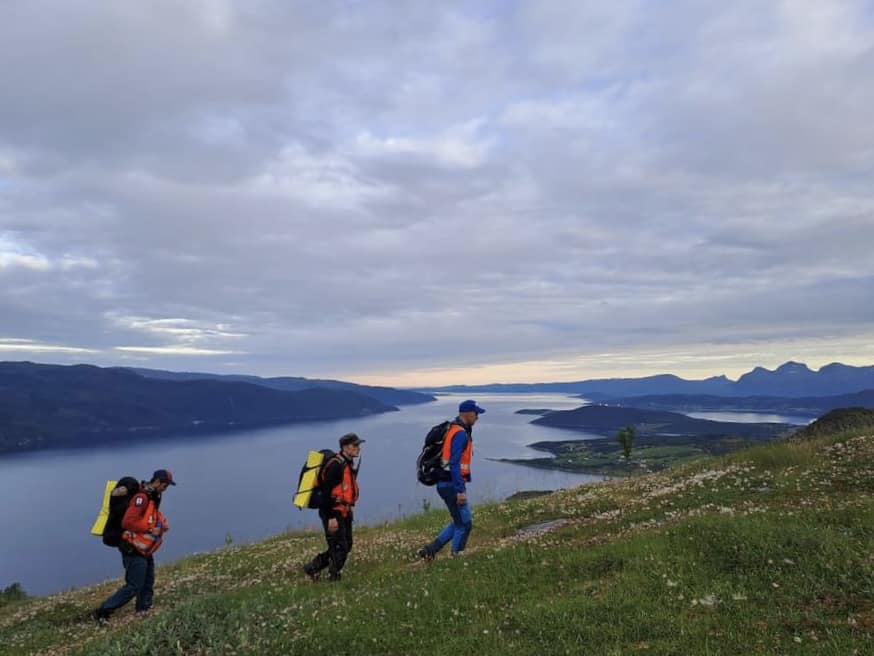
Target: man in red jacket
{"x":144,"y":526}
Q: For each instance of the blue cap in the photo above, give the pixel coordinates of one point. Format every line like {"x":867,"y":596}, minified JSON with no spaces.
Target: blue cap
{"x":164,"y":475}
{"x":470,"y":406}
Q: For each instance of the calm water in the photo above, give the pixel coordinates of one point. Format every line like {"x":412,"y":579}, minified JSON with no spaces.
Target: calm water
{"x":752,"y":417}
{"x":242,"y":484}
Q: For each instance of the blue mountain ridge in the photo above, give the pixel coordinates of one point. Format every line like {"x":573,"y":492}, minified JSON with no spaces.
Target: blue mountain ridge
{"x":791,"y":379}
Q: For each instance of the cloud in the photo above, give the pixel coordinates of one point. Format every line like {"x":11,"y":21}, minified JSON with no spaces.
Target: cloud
{"x":457,"y":147}
{"x":30,"y":346}
{"x":435,"y":188}
{"x":172,"y":350}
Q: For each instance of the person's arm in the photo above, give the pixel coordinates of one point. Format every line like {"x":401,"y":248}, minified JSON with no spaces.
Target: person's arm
{"x":135,"y":518}
{"x":459,"y":444}
{"x":163,"y":520}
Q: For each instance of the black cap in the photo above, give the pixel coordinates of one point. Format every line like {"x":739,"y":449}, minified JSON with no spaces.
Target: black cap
{"x":351,"y":438}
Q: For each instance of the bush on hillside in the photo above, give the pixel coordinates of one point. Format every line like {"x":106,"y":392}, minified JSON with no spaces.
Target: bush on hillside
{"x":12,"y":593}
{"x":841,"y":420}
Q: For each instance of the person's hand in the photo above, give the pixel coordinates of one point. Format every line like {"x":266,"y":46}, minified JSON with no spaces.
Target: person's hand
{"x":332,"y":525}
{"x":155,"y":531}
{"x":121,"y":490}
{"x":461,"y":498}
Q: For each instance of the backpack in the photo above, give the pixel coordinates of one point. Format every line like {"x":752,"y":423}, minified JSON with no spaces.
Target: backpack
{"x":429,"y":468}
{"x":118,"y":504}
{"x":309,"y":492}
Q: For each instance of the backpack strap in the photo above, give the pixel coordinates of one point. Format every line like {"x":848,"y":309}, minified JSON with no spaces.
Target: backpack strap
{"x":325,"y":464}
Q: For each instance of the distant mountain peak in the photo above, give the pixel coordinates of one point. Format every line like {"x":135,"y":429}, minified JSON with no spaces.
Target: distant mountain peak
{"x":793,"y":367}
{"x":835,"y":366}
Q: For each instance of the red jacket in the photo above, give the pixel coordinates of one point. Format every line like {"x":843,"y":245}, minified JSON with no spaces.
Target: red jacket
{"x":339,"y":476}
{"x":141,"y":516}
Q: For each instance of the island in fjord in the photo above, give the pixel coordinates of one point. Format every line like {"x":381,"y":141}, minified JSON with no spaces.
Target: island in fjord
{"x":661,"y":438}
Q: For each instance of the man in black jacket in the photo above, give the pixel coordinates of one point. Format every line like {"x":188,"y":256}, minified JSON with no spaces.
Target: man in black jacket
{"x":338,"y":480}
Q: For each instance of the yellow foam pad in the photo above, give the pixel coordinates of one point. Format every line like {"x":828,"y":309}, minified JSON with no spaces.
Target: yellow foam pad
{"x":103,"y":515}
{"x":308,"y":480}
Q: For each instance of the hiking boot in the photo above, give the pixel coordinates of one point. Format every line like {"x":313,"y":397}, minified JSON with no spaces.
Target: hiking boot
{"x":425,"y":554}
{"x":142,"y":614}
{"x":311,"y":572}
{"x":100,"y":617}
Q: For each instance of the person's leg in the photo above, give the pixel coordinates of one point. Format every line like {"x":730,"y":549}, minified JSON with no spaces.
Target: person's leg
{"x":134,"y":579}
{"x":448,"y":495}
{"x":462,"y":531}
{"x":348,"y":527}
{"x":338,"y":546}
{"x":144,"y":597}
{"x":323,"y":559}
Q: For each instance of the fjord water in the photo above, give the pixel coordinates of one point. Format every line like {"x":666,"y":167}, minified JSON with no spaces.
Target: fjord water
{"x":239,"y":486}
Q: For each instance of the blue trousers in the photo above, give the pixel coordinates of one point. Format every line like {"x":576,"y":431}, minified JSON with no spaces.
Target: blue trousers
{"x":459,"y":529}
{"x":139,"y":580}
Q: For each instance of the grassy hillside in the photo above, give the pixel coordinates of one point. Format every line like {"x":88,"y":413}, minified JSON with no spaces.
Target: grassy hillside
{"x":764,"y":551}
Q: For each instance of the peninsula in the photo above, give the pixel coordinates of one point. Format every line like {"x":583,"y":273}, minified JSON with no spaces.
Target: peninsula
{"x":661,"y":439}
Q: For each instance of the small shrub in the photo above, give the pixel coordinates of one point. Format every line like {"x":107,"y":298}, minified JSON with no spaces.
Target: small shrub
{"x":12,"y":593}
{"x":625,"y":437}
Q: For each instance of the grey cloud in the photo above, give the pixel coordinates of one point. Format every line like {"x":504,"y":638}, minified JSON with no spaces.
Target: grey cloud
{"x":313,"y":189}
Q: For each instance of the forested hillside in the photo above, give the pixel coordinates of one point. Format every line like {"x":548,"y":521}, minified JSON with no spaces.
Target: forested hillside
{"x":48,"y":406}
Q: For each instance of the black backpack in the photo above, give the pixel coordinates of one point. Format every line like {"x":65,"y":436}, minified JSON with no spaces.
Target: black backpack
{"x":117,"y":507}
{"x":429,"y":468}
{"x":317,"y":498}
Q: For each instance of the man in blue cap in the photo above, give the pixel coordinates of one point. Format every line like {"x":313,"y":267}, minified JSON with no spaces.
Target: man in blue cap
{"x":452,"y":488}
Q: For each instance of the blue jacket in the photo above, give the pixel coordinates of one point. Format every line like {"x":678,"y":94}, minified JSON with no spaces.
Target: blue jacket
{"x":459,"y":444}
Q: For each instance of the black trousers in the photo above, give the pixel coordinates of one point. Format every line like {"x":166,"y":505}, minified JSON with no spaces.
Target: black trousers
{"x":339,"y":544}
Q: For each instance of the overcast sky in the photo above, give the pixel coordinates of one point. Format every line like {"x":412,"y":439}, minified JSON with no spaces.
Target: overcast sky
{"x":419,"y":192}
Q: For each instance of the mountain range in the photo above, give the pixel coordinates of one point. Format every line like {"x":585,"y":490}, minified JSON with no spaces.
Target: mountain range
{"x":791,"y":379}
{"x":388,"y":395}
{"x":53,"y":406}
{"x":810,"y":406}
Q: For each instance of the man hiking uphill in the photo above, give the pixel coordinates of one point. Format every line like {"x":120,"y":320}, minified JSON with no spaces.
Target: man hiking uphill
{"x":338,"y":478}
{"x":143,"y":527}
{"x":452,"y":488}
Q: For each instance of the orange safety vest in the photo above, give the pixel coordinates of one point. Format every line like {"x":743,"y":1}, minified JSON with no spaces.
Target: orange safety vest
{"x":345,"y":494}
{"x":466,"y":455}
{"x":146,"y":543}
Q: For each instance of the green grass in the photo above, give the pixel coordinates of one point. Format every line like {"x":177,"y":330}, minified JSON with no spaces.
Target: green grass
{"x":765,"y":551}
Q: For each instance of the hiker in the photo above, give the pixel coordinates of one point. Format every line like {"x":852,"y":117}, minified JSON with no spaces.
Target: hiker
{"x":452,"y":487}
{"x":339,"y":479}
{"x":143,"y":528}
